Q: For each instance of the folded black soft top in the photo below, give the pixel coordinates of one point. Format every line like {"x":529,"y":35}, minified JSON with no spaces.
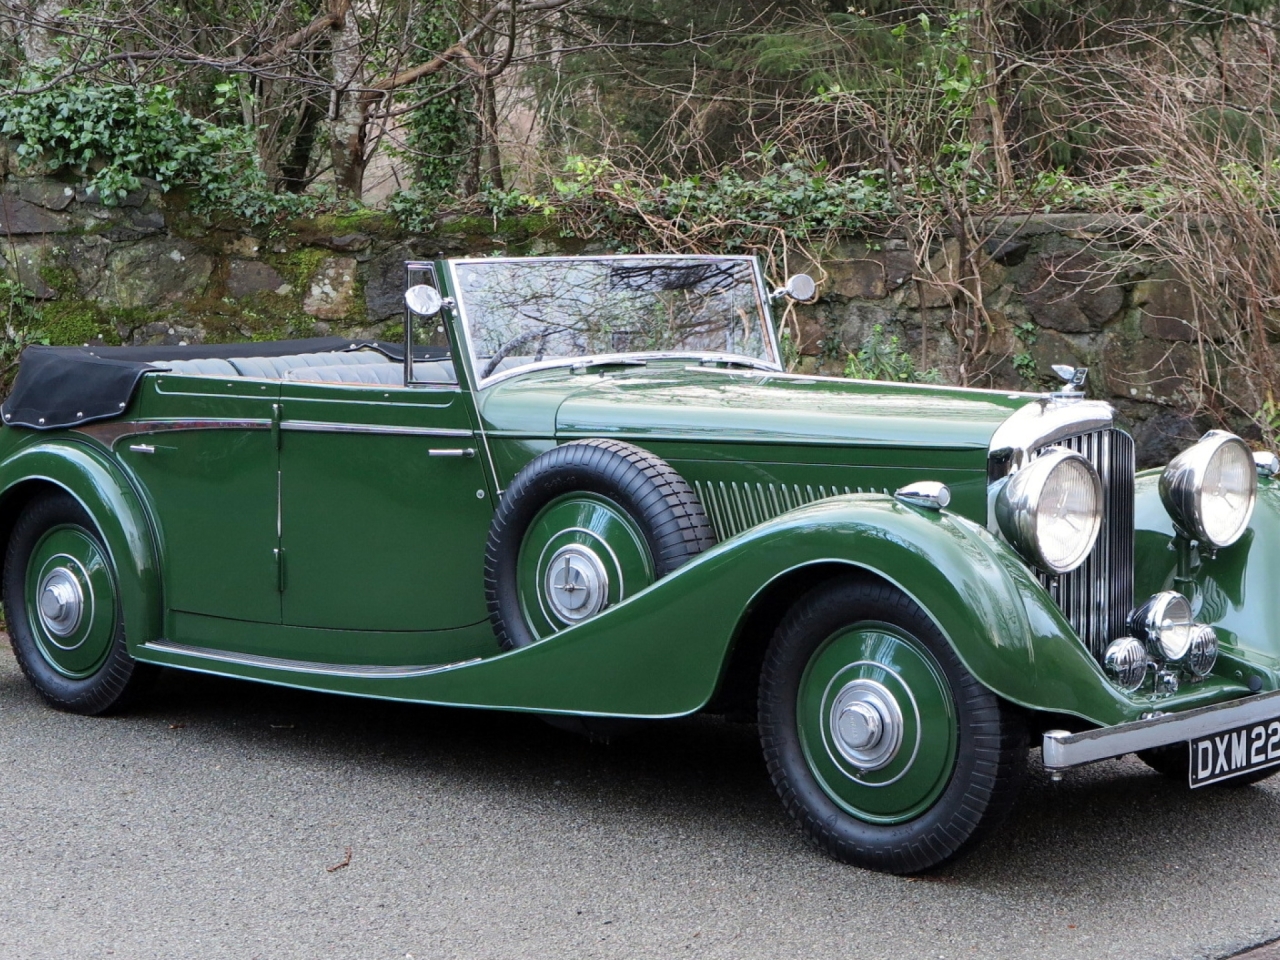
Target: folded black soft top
{"x":65,"y":386}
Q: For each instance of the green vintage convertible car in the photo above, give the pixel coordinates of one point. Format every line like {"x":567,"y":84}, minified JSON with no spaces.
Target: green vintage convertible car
{"x":586,"y":488}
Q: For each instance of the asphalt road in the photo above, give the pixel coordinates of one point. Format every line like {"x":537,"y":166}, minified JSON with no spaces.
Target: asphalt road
{"x":206,"y":824}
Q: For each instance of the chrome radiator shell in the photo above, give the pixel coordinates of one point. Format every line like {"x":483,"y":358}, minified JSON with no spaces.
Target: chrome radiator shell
{"x":1097,"y":596}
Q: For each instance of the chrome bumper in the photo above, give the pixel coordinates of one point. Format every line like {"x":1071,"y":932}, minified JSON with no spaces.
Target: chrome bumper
{"x":1063,"y":750}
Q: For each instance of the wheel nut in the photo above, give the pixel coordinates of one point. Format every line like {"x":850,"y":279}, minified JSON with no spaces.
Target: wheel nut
{"x":860,"y":726}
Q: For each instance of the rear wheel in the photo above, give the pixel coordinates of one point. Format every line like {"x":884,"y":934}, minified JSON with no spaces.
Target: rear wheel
{"x":883,"y":747}
{"x":63,"y":610}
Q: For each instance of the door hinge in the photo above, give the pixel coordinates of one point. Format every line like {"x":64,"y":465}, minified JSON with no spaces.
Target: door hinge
{"x":279,"y":552}
{"x":275,"y":424}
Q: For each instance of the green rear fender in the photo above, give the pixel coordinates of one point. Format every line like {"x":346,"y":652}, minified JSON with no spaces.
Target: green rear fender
{"x":116,"y":509}
{"x":663,"y":651}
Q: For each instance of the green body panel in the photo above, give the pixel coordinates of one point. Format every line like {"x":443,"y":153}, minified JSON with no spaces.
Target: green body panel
{"x":756,"y":444}
{"x":348,"y":647}
{"x":106,"y":493}
{"x":378,"y":533}
{"x":211,"y":492}
{"x":670,"y":400}
{"x":1235,"y":589}
{"x":642,"y":658}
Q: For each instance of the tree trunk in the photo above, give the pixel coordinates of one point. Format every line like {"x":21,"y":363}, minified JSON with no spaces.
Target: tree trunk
{"x":349,"y":108}
{"x":293,"y":172}
{"x":988,"y":115}
{"x":493,"y":153}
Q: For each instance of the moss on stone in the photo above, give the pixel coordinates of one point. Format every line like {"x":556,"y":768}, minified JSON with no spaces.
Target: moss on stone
{"x":62,"y":279}
{"x":299,"y":267}
{"x":71,"y":323}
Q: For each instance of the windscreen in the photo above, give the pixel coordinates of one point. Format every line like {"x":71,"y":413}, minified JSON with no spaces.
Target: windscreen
{"x":520,"y":312}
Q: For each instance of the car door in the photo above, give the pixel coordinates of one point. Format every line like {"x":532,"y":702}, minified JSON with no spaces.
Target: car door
{"x":205,"y":453}
{"x":385,"y":506}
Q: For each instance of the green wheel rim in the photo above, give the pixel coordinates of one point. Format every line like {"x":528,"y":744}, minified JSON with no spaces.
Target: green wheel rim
{"x":70,"y":555}
{"x":883,"y":657}
{"x":592,"y":523}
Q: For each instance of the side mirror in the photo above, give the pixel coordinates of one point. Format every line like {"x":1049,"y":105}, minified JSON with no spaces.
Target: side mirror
{"x":799,"y":287}
{"x":423,"y":300}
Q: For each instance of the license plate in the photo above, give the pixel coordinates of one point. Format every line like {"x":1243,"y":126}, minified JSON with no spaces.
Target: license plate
{"x":1222,"y":756}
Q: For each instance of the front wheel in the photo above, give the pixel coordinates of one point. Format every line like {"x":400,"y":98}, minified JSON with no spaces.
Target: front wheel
{"x":62,"y":606}
{"x":883,"y":747}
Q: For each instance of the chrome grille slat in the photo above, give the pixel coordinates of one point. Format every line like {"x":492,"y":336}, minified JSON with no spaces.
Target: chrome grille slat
{"x":1097,"y":596}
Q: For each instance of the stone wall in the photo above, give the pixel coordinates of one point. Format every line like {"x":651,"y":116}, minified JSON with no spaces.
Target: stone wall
{"x":147,"y":271}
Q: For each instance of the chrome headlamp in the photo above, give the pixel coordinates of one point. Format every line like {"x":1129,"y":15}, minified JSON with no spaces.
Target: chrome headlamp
{"x":1051,"y":510}
{"x":1126,"y":663}
{"x":1209,"y":489}
{"x":1165,"y":624}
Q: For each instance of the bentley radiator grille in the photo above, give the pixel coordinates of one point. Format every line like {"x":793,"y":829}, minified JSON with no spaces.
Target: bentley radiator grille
{"x":1097,"y":596}
{"x":734,"y":507}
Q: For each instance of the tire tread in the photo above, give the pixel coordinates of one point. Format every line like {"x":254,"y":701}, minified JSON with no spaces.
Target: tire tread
{"x":998,"y":744}
{"x":678,"y":528}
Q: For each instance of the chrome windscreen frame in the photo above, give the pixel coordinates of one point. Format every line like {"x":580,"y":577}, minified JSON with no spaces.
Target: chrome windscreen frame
{"x":472,"y":361}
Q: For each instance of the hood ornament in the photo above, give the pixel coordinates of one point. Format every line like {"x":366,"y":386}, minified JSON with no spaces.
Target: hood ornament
{"x":1073,"y":380}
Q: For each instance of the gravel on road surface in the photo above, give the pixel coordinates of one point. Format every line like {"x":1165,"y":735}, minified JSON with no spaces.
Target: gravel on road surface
{"x":214,"y":821}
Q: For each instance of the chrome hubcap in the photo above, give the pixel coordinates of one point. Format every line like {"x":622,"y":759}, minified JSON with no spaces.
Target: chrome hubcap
{"x":577,"y":584}
{"x":61,"y":602}
{"x":866,"y":724}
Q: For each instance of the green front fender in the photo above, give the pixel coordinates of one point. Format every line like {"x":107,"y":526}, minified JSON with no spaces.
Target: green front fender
{"x":116,"y":509}
{"x":1235,"y":589}
{"x":662,"y":652}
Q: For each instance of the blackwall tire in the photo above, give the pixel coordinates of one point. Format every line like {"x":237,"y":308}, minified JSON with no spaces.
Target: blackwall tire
{"x":581,"y":527}
{"x":950,"y":755}
{"x":74,"y":652}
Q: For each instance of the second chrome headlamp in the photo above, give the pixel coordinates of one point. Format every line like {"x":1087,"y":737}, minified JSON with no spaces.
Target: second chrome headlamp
{"x":1209,"y":489}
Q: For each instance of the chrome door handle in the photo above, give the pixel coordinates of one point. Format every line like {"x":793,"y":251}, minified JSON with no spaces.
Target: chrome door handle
{"x":452,"y":452}
{"x":142,"y":448}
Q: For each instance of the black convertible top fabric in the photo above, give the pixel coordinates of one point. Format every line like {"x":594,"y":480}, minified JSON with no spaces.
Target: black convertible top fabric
{"x":67,"y":386}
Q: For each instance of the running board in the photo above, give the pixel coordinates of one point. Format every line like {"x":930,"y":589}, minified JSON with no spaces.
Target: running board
{"x":360,"y":670}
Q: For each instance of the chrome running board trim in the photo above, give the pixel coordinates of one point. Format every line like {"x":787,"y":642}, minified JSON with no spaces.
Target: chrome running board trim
{"x":1063,"y":750}
{"x":359,"y":670}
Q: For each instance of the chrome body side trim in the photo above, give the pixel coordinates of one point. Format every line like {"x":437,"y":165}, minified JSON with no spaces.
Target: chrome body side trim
{"x":324,"y":426}
{"x":1063,"y":750}
{"x":111,"y":432}
{"x":371,"y":671}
